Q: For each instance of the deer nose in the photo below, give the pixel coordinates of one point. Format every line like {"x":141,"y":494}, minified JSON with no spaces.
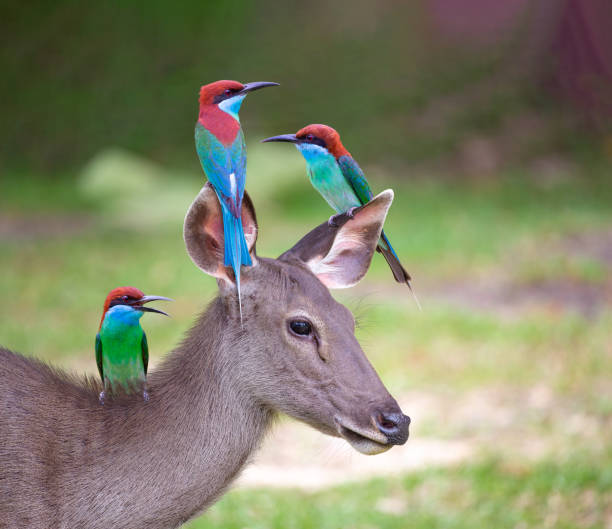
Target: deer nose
{"x":393,"y":425}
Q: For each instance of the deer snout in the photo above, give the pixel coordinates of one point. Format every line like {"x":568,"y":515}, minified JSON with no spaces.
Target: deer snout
{"x":393,"y":425}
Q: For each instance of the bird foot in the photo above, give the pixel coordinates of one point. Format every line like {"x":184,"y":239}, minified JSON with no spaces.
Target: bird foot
{"x":145,"y":396}
{"x":101,"y":397}
{"x":331,"y":222}
{"x":350,"y":213}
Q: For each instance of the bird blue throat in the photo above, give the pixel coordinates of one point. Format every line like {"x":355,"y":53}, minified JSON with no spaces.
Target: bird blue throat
{"x":315,"y":154}
{"x":327,"y":178}
{"x":121,"y":315}
{"x":231,"y":106}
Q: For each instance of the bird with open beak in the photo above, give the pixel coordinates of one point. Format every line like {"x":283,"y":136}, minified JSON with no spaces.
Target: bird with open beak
{"x":122,"y":352}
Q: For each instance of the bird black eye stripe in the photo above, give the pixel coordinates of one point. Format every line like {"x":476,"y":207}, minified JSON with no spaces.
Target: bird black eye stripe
{"x":318,"y":141}
{"x":123,"y":300}
{"x":224,"y":95}
{"x":313,"y":140}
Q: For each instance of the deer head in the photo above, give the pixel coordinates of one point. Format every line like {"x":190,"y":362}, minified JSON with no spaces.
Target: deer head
{"x":303,"y":358}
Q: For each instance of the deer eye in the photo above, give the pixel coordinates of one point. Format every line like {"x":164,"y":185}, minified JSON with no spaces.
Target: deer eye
{"x":300,"y":327}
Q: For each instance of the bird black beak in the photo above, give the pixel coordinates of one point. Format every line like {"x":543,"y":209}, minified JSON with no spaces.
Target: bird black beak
{"x":138,"y":304}
{"x":250,"y":87}
{"x":149,"y":309}
{"x":146,"y":299}
{"x":291,"y":138}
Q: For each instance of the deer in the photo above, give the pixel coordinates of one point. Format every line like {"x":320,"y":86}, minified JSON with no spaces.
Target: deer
{"x":68,"y":462}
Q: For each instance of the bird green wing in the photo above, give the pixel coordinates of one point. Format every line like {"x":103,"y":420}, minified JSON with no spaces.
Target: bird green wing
{"x":355,"y":177}
{"x":145,"y":352}
{"x":99,"y":355}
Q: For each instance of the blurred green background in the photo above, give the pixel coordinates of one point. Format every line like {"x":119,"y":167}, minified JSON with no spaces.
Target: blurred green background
{"x":492,"y":124}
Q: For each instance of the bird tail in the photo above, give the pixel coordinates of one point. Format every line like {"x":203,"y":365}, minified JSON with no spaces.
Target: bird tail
{"x":399,"y":272}
{"x":236,"y":252}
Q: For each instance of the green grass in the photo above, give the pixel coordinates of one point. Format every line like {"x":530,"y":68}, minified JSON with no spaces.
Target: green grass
{"x":445,"y":232}
{"x":494,"y":244}
{"x":531,"y":307}
{"x":564,"y":494}
{"x":446,"y":346}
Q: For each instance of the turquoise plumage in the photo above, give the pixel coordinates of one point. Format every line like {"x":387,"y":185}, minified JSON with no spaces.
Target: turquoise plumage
{"x":357,"y":180}
{"x":222,"y":152}
{"x":355,"y":177}
{"x":335,"y":174}
{"x":225,"y":168}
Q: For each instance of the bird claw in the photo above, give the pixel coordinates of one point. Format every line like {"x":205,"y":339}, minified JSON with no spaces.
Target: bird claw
{"x":145,"y":396}
{"x":331,"y":222}
{"x":350,"y":213}
{"x":101,"y":397}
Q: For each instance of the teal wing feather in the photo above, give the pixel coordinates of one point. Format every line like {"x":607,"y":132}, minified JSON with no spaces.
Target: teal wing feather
{"x":219,"y":163}
{"x":145,"y":352}
{"x":355,"y":177}
{"x":225,"y":168}
{"x":99,"y":355}
{"x":237,"y":154}
{"x":215,"y":160}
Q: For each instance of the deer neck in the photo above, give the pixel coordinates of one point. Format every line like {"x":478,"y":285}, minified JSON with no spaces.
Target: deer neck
{"x":196,"y":433}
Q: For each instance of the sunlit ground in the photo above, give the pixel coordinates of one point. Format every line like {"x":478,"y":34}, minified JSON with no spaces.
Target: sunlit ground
{"x":511,"y":356}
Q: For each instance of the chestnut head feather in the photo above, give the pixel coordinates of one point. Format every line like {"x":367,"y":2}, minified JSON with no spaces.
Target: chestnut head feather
{"x":214,"y":93}
{"x":323,"y":135}
{"x":127,"y":295}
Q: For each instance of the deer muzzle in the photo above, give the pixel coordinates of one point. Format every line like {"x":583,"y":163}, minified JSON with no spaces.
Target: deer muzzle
{"x":386,"y":429}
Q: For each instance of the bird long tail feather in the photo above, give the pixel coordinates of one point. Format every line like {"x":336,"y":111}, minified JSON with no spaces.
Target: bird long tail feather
{"x":399,"y":272}
{"x":236,"y":252}
{"x":416,"y":299}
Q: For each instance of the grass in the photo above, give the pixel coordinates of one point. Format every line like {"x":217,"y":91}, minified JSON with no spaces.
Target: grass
{"x":446,"y":232}
{"x":496,"y":245}
{"x":567,"y":494}
{"x":512,"y":270}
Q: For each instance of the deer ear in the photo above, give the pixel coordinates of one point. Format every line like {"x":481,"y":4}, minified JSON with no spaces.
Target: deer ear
{"x":203,"y":232}
{"x":340,"y":255}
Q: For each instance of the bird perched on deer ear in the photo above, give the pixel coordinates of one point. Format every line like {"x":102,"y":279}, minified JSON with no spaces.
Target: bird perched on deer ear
{"x":220,"y":145}
{"x":122,"y":353}
{"x":335,"y":174}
